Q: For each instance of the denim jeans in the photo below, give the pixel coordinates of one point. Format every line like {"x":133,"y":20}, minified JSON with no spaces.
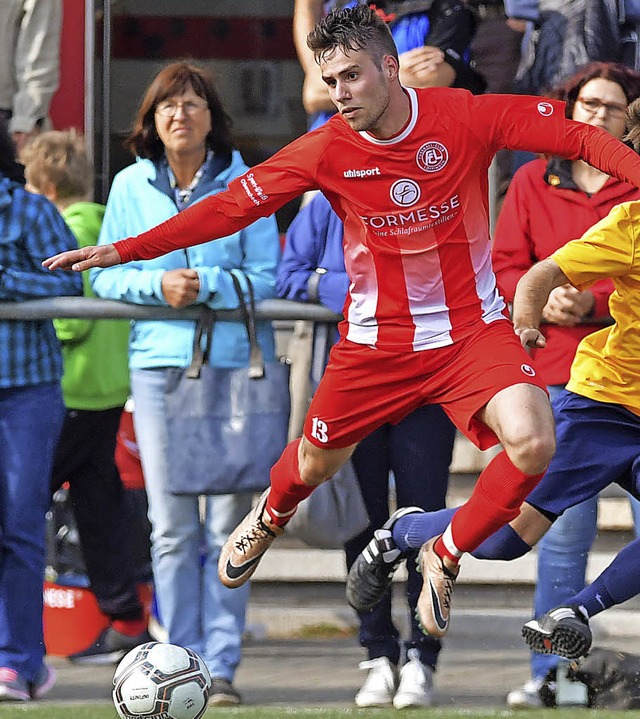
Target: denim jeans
{"x":30,"y":423}
{"x":562,"y":560}
{"x":186,"y":537}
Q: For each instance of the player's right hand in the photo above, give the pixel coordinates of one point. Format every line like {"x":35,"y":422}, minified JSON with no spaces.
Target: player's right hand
{"x":84,"y":258}
{"x":531,"y":338}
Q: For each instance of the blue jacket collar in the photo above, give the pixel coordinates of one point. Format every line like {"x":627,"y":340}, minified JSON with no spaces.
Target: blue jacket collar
{"x":210,"y":180}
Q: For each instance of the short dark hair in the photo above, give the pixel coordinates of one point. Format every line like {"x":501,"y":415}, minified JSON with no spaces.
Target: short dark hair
{"x":626,"y":77}
{"x":175,"y":79}
{"x":352,"y":29}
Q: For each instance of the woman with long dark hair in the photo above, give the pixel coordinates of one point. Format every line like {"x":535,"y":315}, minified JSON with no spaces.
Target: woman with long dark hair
{"x":182,"y":143}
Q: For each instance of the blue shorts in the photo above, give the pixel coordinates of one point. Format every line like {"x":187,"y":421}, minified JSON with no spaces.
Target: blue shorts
{"x":597,"y":444}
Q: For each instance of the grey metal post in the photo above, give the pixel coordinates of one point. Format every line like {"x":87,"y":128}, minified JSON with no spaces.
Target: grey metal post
{"x":106,"y":98}
{"x":89,"y":75}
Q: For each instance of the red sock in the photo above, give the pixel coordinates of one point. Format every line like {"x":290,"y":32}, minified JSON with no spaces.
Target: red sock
{"x":500,"y":490}
{"x":130,"y":627}
{"x":287,"y":489}
{"x":440,"y":548}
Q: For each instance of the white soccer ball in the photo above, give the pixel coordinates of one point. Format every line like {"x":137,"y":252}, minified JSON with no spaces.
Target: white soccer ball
{"x":161,"y":680}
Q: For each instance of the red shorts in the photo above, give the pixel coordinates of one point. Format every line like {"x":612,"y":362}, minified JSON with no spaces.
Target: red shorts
{"x":364,"y":388}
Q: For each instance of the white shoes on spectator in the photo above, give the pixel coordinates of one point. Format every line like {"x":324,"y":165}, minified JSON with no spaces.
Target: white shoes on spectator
{"x":416,"y":684}
{"x":526,"y":696}
{"x":381,"y":687}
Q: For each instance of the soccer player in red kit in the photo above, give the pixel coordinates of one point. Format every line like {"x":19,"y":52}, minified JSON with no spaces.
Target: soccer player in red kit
{"x":406,"y":171}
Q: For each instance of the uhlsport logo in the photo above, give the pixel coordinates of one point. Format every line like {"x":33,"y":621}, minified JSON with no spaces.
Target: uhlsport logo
{"x":405,"y":192}
{"x":364,"y":172}
{"x":432,"y":156}
{"x":545,"y":108}
{"x":528,"y":370}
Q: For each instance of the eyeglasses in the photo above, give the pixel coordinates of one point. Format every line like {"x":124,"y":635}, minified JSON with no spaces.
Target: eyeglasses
{"x":169,"y":109}
{"x":592,"y":105}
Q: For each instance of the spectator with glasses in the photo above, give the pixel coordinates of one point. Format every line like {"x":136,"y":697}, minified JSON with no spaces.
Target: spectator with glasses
{"x":549,"y":202}
{"x":184,"y":152}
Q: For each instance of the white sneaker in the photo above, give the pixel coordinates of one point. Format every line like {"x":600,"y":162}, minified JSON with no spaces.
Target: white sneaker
{"x":527,"y":696}
{"x":416,"y":683}
{"x":380,"y":685}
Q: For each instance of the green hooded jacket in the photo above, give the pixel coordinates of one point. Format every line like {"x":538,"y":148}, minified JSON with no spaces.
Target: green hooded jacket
{"x":95,"y":352}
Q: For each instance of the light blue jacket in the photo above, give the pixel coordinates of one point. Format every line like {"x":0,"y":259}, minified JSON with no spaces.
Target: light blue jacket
{"x":140,"y":198}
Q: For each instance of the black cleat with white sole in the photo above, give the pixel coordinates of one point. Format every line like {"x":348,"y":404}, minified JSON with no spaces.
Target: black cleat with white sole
{"x":372,"y":572}
{"x":563,"y":631}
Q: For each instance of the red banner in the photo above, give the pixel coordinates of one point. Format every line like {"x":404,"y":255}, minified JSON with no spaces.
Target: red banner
{"x":67,"y":108}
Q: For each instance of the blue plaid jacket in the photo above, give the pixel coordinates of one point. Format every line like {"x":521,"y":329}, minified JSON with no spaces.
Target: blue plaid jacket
{"x":31,"y":229}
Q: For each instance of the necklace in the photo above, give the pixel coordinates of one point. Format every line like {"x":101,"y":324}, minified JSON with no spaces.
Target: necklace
{"x":183,"y":194}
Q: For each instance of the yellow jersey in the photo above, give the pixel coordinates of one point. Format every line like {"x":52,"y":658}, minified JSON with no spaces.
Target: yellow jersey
{"x":606,"y":367}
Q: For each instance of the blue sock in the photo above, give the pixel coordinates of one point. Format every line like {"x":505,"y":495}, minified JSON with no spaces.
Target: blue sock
{"x":413,"y":530}
{"x":506,"y":543}
{"x":617,"y":583}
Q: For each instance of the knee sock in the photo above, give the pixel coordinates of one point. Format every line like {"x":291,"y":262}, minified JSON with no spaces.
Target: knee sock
{"x":412,"y":531}
{"x":287,"y":489}
{"x":500,"y":490}
{"x":617,"y":583}
{"x":506,"y":544}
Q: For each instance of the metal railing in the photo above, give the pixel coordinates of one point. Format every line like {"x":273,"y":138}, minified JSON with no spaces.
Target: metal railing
{"x":93,"y":308}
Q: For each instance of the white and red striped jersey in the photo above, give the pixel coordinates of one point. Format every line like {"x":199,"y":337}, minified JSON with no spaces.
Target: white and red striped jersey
{"x":414,"y":208}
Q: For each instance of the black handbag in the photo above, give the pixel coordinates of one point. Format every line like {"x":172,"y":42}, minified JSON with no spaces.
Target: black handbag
{"x":226,"y":426}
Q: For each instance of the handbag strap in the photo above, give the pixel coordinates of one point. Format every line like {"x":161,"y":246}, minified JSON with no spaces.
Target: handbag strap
{"x":200,"y":354}
{"x":248,"y":311}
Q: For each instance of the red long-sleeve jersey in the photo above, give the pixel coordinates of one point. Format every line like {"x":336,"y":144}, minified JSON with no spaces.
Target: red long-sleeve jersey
{"x":536,"y":219}
{"x":414,"y":207}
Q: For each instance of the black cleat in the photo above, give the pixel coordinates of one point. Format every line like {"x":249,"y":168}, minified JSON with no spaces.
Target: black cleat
{"x":109,"y":647}
{"x":563,"y":631}
{"x":371,"y":574}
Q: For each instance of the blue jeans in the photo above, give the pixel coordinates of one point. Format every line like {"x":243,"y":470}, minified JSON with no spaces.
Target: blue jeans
{"x":562,"y":560}
{"x":195,"y":608}
{"x":30,"y":423}
{"x":418,"y":451}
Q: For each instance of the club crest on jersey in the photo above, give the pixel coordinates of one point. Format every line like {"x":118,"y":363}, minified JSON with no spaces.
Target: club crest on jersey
{"x":405,"y":192}
{"x":432,"y":156}
{"x":528,"y":370}
{"x":545,"y":108}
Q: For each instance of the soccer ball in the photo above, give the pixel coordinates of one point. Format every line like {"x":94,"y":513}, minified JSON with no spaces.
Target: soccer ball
{"x":157,"y":680}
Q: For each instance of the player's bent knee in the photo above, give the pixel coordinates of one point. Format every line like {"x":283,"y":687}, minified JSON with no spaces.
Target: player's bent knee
{"x":532,"y":454}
